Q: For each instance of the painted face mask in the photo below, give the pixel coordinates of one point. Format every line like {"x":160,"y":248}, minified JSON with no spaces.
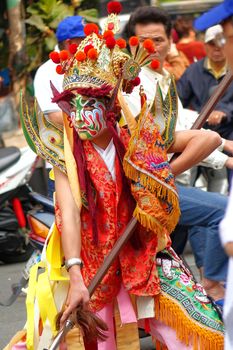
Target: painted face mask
{"x":88,"y":117}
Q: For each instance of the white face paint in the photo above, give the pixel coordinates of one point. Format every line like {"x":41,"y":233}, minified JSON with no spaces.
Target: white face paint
{"x":89,"y":117}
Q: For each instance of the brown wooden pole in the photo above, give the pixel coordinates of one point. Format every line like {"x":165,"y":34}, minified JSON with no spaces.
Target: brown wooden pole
{"x":120,"y":243}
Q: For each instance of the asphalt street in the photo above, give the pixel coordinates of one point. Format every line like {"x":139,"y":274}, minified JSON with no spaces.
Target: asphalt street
{"x":12,"y":318}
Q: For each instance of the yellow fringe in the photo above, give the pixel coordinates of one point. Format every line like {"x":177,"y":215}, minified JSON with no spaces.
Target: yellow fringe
{"x":187,"y":330}
{"x":160,"y":220}
{"x":136,"y":175}
{"x":157,"y":225}
{"x":151,"y":184}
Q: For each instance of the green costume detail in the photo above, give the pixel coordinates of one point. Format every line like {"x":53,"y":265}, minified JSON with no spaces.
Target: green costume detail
{"x":177,"y":284}
{"x":165,"y":112}
{"x":43,"y":137}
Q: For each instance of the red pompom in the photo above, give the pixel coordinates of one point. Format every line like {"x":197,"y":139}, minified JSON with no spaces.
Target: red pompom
{"x":149,"y":45}
{"x":136,"y":81}
{"x":121,"y":43}
{"x":59,"y":69}
{"x":88,"y":47}
{"x":133,"y":41}
{"x":155,"y":64}
{"x":54,"y":56}
{"x":64,"y":55}
{"x":92,"y":54}
{"x":114,"y":7}
{"x":91,"y":28}
{"x":107,"y":34}
{"x":73,"y":48}
{"x":110,"y":42}
{"x":80,"y":56}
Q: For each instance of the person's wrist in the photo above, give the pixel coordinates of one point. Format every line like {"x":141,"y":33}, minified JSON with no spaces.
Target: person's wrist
{"x":75,"y":273}
{"x":73,"y":261}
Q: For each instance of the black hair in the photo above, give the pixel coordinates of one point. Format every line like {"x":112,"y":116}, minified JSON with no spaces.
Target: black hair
{"x":146,"y":15}
{"x":228,"y":19}
{"x":61,"y":45}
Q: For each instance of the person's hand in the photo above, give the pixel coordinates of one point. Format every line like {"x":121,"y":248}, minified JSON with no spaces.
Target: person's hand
{"x":228,"y":146}
{"x":229,"y":248}
{"x":215,"y":117}
{"x":78,"y":294}
{"x":229,"y":163}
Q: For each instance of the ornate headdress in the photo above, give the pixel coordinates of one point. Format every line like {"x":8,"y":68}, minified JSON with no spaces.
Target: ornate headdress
{"x":96,"y":65}
{"x":100,"y":67}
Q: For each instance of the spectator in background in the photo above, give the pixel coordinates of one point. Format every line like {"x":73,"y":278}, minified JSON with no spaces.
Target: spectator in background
{"x":69,"y":30}
{"x":176,"y":62}
{"x":223,"y":14}
{"x":193,"y":49}
{"x":198,"y":83}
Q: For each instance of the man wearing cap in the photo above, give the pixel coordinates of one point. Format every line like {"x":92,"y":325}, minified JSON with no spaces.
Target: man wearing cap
{"x":69,"y":30}
{"x":223,"y":14}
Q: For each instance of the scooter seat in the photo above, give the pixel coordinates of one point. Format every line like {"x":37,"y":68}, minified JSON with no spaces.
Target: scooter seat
{"x":8,"y":157}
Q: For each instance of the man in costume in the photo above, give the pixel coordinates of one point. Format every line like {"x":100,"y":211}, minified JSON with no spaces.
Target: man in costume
{"x":223,"y":14}
{"x":198,"y":213}
{"x":95,"y":203}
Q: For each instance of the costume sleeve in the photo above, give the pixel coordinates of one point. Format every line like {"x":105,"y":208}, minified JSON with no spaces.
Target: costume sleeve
{"x":43,"y":137}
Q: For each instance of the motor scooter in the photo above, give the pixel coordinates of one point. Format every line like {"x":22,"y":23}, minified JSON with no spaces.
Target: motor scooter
{"x":40,"y":218}
{"x":16,"y":168}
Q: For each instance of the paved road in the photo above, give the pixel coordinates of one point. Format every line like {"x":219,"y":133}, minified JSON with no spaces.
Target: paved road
{"x":13,"y":318}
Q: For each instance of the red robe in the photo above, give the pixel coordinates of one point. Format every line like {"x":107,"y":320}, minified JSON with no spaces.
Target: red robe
{"x":135,"y":268}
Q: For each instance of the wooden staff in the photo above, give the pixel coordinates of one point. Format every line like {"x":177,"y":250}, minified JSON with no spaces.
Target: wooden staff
{"x":123,"y":239}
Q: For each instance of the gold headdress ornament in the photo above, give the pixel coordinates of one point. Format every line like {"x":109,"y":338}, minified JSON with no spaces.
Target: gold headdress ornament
{"x":99,"y":61}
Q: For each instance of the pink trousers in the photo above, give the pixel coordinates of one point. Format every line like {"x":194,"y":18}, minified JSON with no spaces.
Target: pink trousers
{"x":159,"y":330}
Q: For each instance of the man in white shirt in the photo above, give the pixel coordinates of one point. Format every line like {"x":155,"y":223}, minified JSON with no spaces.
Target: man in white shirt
{"x":201,"y":211}
{"x":69,"y":30}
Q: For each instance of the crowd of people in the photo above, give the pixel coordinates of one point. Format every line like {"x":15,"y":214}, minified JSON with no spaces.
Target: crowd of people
{"x":119,"y":131}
